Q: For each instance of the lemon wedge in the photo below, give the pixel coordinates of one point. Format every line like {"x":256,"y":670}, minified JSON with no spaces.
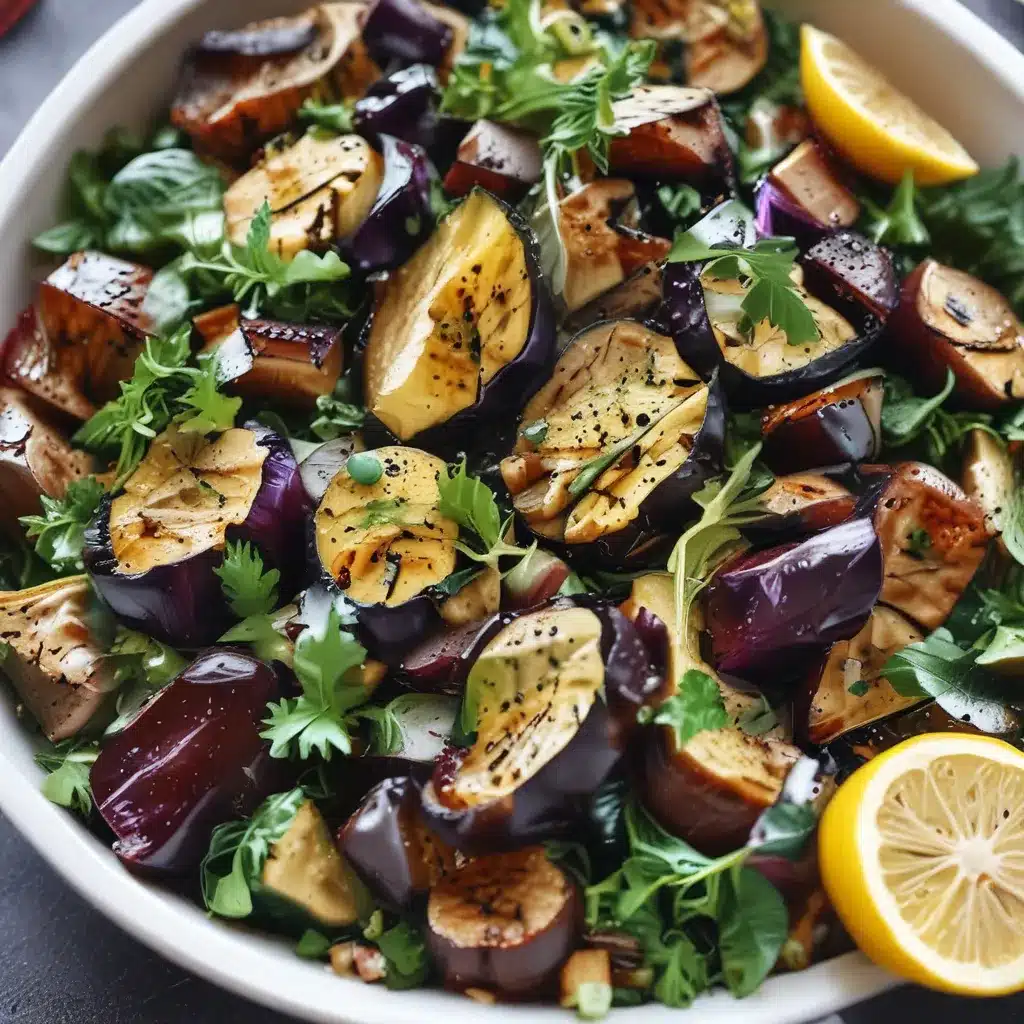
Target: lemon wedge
{"x":877,"y":128}
{"x":922,"y":856}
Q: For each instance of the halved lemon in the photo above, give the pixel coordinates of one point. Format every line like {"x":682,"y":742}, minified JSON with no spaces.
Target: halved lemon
{"x":877,"y":128}
{"x":922,"y":856}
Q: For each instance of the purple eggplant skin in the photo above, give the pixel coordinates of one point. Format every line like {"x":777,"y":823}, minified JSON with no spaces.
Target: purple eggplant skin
{"x":554,"y":800}
{"x":405,"y":32}
{"x":290,"y":37}
{"x":441,"y":663}
{"x":401,"y":217}
{"x":509,"y":389}
{"x":683,"y":312}
{"x":771,"y":613}
{"x":389,"y":633}
{"x":779,"y":216}
{"x":182,"y":603}
{"x":855,"y":276}
{"x":190,"y":761}
{"x":403,"y":104}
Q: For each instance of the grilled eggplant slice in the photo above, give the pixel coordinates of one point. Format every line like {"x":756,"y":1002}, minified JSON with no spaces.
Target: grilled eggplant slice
{"x":384,"y":545}
{"x":319,"y":191}
{"x":841,"y":423}
{"x":803,"y":503}
{"x":390,"y":849}
{"x":933,"y":540}
{"x":504,"y":924}
{"x":728,"y":59}
{"x":290,"y":364}
{"x":57,"y":668}
{"x":636,"y":298}
{"x":81,"y":340}
{"x":671,"y":133}
{"x":987,"y":477}
{"x":152,"y":551}
{"x":949,"y":320}
{"x":239,"y":89}
{"x":808,"y":181}
{"x":612,"y":448}
{"x":552,"y":694}
{"x":603,"y":245}
{"x":772,"y":612}
{"x":192,"y":759}
{"x":848,"y":690}
{"x":35,"y":459}
{"x":503,"y":160}
{"x":462,"y":333}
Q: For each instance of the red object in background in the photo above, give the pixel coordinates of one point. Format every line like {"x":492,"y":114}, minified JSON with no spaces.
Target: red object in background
{"x":12,"y":11}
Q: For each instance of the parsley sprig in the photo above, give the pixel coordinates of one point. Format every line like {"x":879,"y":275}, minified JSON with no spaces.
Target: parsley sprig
{"x":60,"y":531}
{"x":694,"y":708}
{"x":249,"y":588}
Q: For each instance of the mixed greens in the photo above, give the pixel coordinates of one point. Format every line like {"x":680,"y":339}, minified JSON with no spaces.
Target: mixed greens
{"x":479,"y":480}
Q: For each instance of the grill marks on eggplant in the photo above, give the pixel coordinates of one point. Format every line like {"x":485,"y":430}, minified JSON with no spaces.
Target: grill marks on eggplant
{"x":765,"y":351}
{"x":533,"y":685}
{"x":183,"y":497}
{"x":616,"y":381}
{"x":319,"y":190}
{"x":385,"y":543}
{"x":55,"y":665}
{"x":445,"y":324}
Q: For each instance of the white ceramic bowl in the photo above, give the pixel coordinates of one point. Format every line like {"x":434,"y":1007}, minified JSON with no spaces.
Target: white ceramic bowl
{"x":958,"y":68}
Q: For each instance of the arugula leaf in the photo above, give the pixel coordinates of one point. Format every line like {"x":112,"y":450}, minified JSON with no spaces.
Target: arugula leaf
{"x":405,"y":950}
{"x":233,"y":865}
{"x":706,"y":545}
{"x":67,"y":783}
{"x":326,"y":663}
{"x":335,"y":118}
{"x":898,"y":223}
{"x":471,"y":503}
{"x":696,"y":707}
{"x":765,"y":269}
{"x":753,"y":925}
{"x":60,"y":531}
{"x":249,"y":590}
{"x":590,"y":471}
{"x":142,"y":668}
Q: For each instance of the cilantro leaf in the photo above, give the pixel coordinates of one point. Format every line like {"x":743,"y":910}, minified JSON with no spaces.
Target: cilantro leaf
{"x":142,"y":668}
{"x":264,"y":633}
{"x":204,"y":408}
{"x":695,"y":708}
{"x":765,"y":268}
{"x":405,"y":950}
{"x":249,"y":590}
{"x":60,"y":531}
{"x":67,"y":783}
{"x":326,"y":662}
{"x":335,"y":118}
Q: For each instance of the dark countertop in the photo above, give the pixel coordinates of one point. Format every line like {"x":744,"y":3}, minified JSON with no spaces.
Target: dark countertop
{"x":64,"y":963}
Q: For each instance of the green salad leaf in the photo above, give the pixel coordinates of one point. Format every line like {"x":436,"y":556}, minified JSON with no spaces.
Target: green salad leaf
{"x":249,"y":588}
{"x":695,"y":708}
{"x":67,"y":783}
{"x":59,"y":532}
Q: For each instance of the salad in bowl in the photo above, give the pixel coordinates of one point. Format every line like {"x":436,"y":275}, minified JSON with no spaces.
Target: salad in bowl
{"x":446,"y":408}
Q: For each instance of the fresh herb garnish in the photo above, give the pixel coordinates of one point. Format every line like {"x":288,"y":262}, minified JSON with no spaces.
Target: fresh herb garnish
{"x":336,"y":416}
{"x":142,"y":668}
{"x":249,"y":589}
{"x":313,"y":945}
{"x":898,"y":223}
{"x":590,"y":471}
{"x":759,"y":718}
{"x":67,"y":783}
{"x":695,"y":708}
{"x":405,"y":950}
{"x":60,"y":531}
{"x":471,"y":503}
{"x":335,"y":118}
{"x":765,"y":269}
{"x":326,"y":663}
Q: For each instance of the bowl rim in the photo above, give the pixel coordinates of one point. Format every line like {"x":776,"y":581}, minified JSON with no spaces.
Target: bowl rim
{"x":229,"y":956}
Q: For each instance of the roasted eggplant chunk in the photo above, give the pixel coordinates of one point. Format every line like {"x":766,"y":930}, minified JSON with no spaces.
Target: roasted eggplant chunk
{"x":504,"y":924}
{"x":390,"y":849}
{"x":551,"y":696}
{"x":292,"y":364}
{"x":853,"y":275}
{"x":612,"y":448}
{"x":239,"y":89}
{"x":503,"y":160}
{"x":319,"y":191}
{"x":636,"y":298}
{"x":384,"y":545}
{"x":403,"y":105}
{"x":759,"y":366}
{"x":81,"y":340}
{"x":810,"y":189}
{"x":673,"y":134}
{"x":772,"y":612}
{"x":35,"y":459}
{"x":441,"y":663}
{"x":192,"y":759}
{"x":933,"y":540}
{"x":152,"y":550}
{"x":406,"y":32}
{"x":462,"y":333}
{"x":848,"y":690}
{"x":803,"y":503}
{"x":57,"y":668}
{"x":838,"y":424}
{"x":988,"y":477}
{"x":949,"y":320}
{"x":603,"y":244}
